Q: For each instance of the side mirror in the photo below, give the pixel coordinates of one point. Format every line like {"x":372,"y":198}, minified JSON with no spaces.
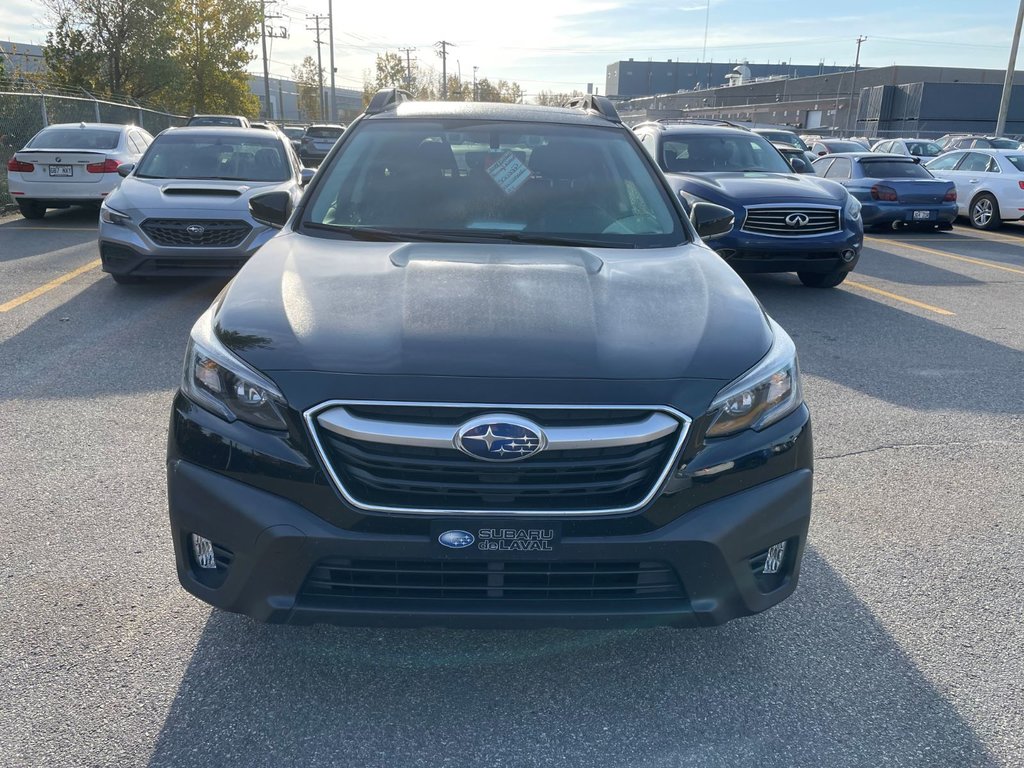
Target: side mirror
{"x":711,"y":220}
{"x":798,"y":164}
{"x":124,"y":169}
{"x":272,"y":209}
{"x":822,"y":153}
{"x":306,"y":175}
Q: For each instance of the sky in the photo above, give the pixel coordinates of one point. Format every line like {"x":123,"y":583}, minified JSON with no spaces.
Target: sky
{"x":561,"y":45}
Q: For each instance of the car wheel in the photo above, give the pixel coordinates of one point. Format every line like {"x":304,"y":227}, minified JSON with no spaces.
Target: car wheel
{"x":985,"y":212}
{"x":822,"y":279}
{"x":31,"y":209}
{"x":128,"y":279}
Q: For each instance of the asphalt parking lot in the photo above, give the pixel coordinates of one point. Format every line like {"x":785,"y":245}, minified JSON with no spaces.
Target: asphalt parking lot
{"x":902,"y":646}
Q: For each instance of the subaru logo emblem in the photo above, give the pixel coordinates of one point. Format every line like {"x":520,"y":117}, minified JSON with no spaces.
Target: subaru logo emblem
{"x":456,"y":539}
{"x":798,"y":220}
{"x":500,"y":437}
{"x":195,"y":230}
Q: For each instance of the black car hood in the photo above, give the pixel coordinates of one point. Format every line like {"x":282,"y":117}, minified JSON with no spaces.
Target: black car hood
{"x":755,"y":188}
{"x":493,"y":310}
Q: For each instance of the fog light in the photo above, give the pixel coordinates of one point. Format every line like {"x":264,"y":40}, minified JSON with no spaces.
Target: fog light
{"x":202,"y":551}
{"x":773,"y":561}
{"x":849,"y":256}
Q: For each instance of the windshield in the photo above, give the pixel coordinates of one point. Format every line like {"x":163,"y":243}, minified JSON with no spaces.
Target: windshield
{"x":75,"y":138}
{"x":324,"y":133}
{"x":924,"y":148}
{"x":696,"y":153}
{"x":480,"y":181}
{"x":294,"y":133}
{"x":894,"y":169}
{"x":783,"y":137}
{"x":1003,"y":143}
{"x":232,"y":122}
{"x":843,"y":146}
{"x":184,"y":156}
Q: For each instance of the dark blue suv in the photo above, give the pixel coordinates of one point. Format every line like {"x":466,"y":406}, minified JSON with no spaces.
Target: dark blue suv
{"x":786,"y":222}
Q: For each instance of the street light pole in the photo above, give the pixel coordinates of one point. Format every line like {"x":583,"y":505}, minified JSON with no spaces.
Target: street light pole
{"x":1004,"y":102}
{"x":330,"y":37}
{"x":850,"y":116}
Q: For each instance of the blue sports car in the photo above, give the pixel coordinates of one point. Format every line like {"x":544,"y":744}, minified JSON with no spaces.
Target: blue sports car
{"x":786,"y":221}
{"x":894,"y":190}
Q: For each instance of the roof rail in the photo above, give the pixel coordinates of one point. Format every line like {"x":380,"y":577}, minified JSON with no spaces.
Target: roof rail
{"x":593,"y":103}
{"x":389,"y":98}
{"x":703,"y":121}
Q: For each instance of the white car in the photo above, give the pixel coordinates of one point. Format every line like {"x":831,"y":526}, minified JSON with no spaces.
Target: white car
{"x":989,"y":183}
{"x":72,"y":164}
{"x":922,"y":148}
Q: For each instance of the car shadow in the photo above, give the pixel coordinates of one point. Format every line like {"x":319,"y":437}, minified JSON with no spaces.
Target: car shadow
{"x":891,"y":354}
{"x":900,"y":269}
{"x":817,"y":681}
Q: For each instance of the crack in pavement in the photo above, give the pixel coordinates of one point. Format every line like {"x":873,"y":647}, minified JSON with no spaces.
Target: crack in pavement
{"x":897,"y":446}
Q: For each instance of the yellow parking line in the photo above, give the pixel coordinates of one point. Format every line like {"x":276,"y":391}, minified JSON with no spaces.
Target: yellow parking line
{"x":45,"y":287}
{"x":932,"y":251}
{"x":897,"y":297}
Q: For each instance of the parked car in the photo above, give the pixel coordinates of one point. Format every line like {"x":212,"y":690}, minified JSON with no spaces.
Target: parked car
{"x":828,"y":146}
{"x":72,"y":164}
{"x":989,"y":184}
{"x":864,"y":141}
{"x":922,"y":148}
{"x":788,"y":222}
{"x":893,"y":190}
{"x":224,"y":121}
{"x":954,"y":141}
{"x":779,"y":136}
{"x":489,"y":375}
{"x":317,"y":141}
{"x":294,"y":134}
{"x":183,"y":211}
{"x":791,"y":153}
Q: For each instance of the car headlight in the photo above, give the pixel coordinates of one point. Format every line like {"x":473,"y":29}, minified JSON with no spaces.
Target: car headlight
{"x":112,"y":216}
{"x":764,"y":394}
{"x":852,"y":208}
{"x":221,"y":383}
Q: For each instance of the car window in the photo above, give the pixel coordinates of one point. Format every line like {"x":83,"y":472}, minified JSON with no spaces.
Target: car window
{"x":924,"y":148}
{"x":75,"y":138}
{"x":1017,"y":161}
{"x":216,"y":120}
{"x":885,"y":146}
{"x":975,"y":162}
{"x":840,"y":169}
{"x":494,"y":180}
{"x":844,"y":146}
{"x":294,"y":133}
{"x":945,"y":162}
{"x":135,"y":145}
{"x":187,"y":156}
{"x":650,"y":142}
{"x":1004,"y":143}
{"x":893,"y":169}
{"x":725,"y":152}
{"x":324,"y":133}
{"x":821,"y":165}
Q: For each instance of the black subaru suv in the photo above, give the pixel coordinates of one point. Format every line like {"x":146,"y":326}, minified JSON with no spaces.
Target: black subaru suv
{"x":488,"y":374}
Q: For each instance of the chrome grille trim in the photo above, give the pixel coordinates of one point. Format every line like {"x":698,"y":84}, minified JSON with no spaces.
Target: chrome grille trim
{"x":770,"y":220}
{"x":682,"y":423}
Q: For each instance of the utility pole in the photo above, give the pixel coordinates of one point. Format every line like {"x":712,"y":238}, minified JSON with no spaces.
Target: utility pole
{"x":264,"y":34}
{"x":476,"y":93}
{"x":851,"y":116}
{"x":443,"y":53}
{"x":330,"y":36}
{"x":319,"y":62}
{"x":408,"y":66}
{"x":1004,"y":102}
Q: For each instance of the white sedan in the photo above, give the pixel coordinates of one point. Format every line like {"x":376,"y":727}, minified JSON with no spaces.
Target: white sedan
{"x":989,"y":183}
{"x":922,"y":148}
{"x":72,"y":164}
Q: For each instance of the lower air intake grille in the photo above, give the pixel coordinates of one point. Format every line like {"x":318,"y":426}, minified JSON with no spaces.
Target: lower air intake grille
{"x":489,"y":581}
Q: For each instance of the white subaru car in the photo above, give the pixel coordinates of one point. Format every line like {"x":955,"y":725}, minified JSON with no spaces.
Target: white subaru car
{"x":989,"y":184}
{"x":72,"y":164}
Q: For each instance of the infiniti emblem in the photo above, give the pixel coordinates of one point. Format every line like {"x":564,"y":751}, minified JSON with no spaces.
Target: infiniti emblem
{"x":195,"y":230}
{"x":798,"y":220}
{"x":500,"y":437}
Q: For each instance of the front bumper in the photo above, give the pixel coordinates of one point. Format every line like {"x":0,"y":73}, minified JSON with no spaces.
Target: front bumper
{"x":748,"y":252}
{"x":735,"y":498}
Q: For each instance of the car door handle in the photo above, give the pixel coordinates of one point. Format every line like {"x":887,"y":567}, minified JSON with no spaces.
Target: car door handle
{"x":972,"y":181}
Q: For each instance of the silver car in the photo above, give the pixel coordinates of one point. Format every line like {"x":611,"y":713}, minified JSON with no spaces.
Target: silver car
{"x":183,"y":211}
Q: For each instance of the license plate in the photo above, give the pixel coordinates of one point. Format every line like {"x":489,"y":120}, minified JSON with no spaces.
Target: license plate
{"x":61,"y":170}
{"x":497,"y":539}
{"x":918,"y":215}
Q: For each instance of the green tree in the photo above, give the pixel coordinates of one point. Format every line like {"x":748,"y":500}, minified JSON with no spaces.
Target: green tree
{"x":389,"y":72}
{"x":308,"y":78}
{"x":211,"y":51}
{"x":71,"y":57}
{"x":553,"y":99}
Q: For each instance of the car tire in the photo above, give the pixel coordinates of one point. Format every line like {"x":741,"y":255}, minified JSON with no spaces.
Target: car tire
{"x":984,"y":212}
{"x":822,"y":279}
{"x":31,"y":209}
{"x":128,"y":279}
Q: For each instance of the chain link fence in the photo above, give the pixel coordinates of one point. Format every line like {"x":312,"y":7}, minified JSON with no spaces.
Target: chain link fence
{"x":23,"y":114}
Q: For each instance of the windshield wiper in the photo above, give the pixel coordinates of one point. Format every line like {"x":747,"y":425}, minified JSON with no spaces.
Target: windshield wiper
{"x":531,"y":238}
{"x":365,"y":233}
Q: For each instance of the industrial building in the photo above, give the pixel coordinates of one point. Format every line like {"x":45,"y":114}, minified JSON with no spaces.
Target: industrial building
{"x":630,"y":79}
{"x":284,"y":101}
{"x":886,"y":101}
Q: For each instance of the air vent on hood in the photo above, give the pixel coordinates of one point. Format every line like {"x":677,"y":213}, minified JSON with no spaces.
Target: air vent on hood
{"x":204,"y":191}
